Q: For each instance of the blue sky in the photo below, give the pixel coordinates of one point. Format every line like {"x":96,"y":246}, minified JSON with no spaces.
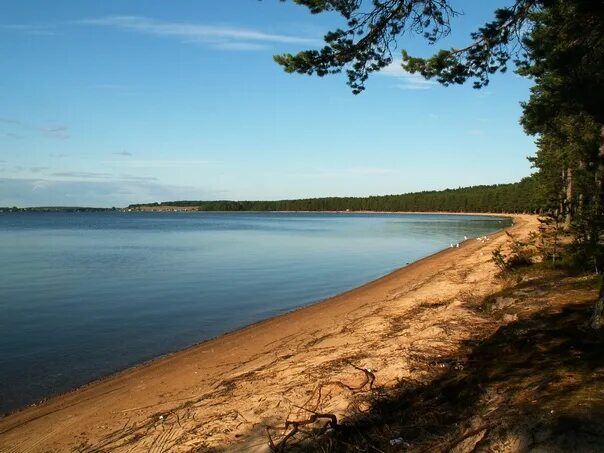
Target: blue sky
{"x":117,"y":102}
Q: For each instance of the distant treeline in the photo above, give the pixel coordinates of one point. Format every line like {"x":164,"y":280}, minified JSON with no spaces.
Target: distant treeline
{"x":55,"y":209}
{"x":520,"y":197}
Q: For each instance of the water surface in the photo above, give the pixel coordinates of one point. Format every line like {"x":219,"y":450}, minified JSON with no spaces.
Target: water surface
{"x":86,"y":294}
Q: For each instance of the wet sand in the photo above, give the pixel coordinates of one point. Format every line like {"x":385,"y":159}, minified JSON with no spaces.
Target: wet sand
{"x":222,"y":392}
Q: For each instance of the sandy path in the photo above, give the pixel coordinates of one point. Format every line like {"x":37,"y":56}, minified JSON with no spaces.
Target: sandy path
{"x":226,"y":389}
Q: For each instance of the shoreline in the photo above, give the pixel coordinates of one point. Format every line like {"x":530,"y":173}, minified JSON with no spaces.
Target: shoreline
{"x":130,"y":368}
{"x":189,"y":210}
{"x":342,"y":303}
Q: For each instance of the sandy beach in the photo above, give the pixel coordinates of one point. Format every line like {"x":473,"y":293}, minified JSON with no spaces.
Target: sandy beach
{"x":222,"y":393}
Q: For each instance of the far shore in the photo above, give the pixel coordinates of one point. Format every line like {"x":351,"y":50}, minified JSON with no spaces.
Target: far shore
{"x":190,"y":209}
{"x":259,"y":371}
{"x":194,"y":210}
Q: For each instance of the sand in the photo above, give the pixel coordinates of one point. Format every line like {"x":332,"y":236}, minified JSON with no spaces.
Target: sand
{"x":222,"y":393}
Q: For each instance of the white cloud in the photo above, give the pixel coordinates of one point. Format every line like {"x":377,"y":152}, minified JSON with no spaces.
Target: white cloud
{"x":407,"y":80}
{"x":219,"y":36}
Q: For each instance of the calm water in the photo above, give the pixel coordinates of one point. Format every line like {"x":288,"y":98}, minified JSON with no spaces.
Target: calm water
{"x":85,"y":294}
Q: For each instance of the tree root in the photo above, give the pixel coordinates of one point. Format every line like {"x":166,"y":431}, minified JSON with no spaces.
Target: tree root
{"x":293,"y":427}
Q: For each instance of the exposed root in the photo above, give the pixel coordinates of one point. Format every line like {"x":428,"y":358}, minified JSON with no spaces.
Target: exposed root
{"x":293,"y":427}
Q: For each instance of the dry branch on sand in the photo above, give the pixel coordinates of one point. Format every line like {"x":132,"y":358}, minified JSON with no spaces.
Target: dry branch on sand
{"x":293,"y":427}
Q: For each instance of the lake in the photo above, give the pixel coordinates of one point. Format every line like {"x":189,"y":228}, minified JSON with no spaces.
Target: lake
{"x":83,"y":295}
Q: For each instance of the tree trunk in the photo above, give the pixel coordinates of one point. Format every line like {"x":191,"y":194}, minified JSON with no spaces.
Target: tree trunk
{"x":599,"y":218}
{"x":580,"y":200}
{"x":560,"y":212}
{"x":597,"y":319}
{"x":569,"y":199}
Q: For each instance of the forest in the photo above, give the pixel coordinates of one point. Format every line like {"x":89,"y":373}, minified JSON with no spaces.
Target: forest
{"x":520,"y":197}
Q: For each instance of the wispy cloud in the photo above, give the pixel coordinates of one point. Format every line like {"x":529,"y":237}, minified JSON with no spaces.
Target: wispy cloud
{"x":57,"y":132}
{"x":37,"y":169}
{"x":354,"y":172}
{"x":30,"y":29}
{"x":413,"y":83}
{"x":407,"y":81}
{"x":12,"y":135}
{"x":123,"y":153}
{"x":97,"y":176}
{"x":117,"y":89}
{"x":117,"y":192}
{"x":242,"y":46}
{"x":218,"y":36}
{"x":110,"y":86}
{"x":161,"y":163}
{"x":9,"y":121}
{"x":81,"y":175}
{"x":137,"y":178}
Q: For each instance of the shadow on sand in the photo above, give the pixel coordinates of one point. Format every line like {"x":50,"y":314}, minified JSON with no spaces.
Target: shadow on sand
{"x":536,"y":384}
